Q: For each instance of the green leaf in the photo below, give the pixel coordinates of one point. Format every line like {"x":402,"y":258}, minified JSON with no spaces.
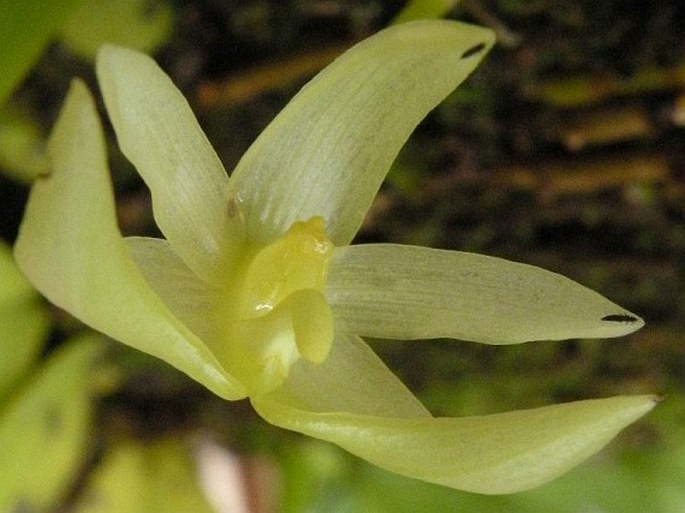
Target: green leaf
{"x":138,"y":478}
{"x":44,"y":430}
{"x":138,"y":24}
{"x":159,"y":134}
{"x":493,"y":454}
{"x":328,"y":151}
{"x":424,"y":9}
{"x":26,"y":27}
{"x":70,"y":248}
{"x":13,"y":287}
{"x":22,"y":146}
{"x":24,"y":327}
{"x":408,"y":292}
{"x":315,"y":476}
{"x":23,"y":322}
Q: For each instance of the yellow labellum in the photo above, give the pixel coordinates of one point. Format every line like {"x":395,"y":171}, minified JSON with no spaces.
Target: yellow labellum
{"x":298,"y":260}
{"x":273,"y":311}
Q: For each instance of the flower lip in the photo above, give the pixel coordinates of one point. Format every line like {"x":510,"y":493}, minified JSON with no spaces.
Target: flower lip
{"x":295,"y":261}
{"x":272,"y":309}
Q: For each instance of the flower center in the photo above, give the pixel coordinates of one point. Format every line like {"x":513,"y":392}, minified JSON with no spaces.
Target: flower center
{"x":273,"y":309}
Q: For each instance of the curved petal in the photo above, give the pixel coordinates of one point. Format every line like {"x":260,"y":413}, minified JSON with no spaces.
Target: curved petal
{"x":328,"y":151}
{"x":408,"y":292}
{"x":193,"y":203}
{"x":71,"y":250}
{"x":189,"y":298}
{"x":502,"y":453}
{"x":352,"y":379}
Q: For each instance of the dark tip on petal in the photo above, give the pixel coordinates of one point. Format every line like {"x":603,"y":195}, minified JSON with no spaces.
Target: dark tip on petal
{"x":619,"y":318}
{"x":473,"y":50}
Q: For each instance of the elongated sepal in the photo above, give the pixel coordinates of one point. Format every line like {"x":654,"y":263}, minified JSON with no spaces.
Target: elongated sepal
{"x":193,"y":202}
{"x":409,"y":292}
{"x":494,"y":454}
{"x":328,"y":151}
{"x":71,"y":250}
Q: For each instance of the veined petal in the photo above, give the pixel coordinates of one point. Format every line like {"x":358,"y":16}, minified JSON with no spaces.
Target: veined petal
{"x":71,"y":250}
{"x":353,"y":380}
{"x":188,"y":297}
{"x":193,"y":203}
{"x":493,"y":454}
{"x":409,"y":292}
{"x":328,"y":151}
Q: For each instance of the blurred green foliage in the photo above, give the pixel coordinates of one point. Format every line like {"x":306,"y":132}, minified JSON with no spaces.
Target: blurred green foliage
{"x":138,"y":24}
{"x":45,"y":409}
{"x":24,"y":323}
{"x":22,"y":145}
{"x":424,"y":9}
{"x":26,"y":27}
{"x":138,"y":477}
{"x":44,"y":429}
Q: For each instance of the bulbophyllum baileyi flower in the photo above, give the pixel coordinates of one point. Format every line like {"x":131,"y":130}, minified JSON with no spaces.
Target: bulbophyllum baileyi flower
{"x":255,"y":291}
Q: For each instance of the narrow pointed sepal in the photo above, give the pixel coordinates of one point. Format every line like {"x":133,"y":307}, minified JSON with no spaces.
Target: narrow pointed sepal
{"x":494,"y":454}
{"x":409,"y":292}
{"x":327,"y":153}
{"x":71,"y":250}
{"x":193,"y":202}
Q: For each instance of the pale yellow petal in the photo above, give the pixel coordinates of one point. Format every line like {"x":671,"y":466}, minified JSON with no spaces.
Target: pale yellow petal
{"x":188,"y":297}
{"x":352,"y":379}
{"x":71,"y":250}
{"x":192,"y":200}
{"x":494,"y":454}
{"x":410,"y":292}
{"x":327,"y":153}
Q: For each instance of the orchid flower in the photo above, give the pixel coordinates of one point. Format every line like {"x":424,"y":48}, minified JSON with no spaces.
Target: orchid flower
{"x":255,"y":291}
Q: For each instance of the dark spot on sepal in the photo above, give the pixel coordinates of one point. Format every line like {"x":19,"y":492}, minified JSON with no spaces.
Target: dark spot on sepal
{"x":619,"y":318}
{"x":473,"y":50}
